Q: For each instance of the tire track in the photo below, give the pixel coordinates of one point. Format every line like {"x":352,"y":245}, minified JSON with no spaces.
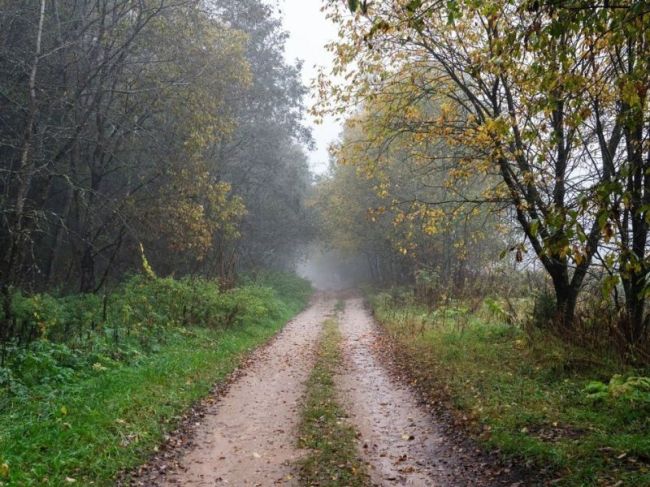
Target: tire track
{"x":249,"y":438}
{"x":398,"y":438}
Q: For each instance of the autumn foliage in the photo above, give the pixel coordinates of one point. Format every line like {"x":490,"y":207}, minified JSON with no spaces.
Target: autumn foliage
{"x":533,"y":112}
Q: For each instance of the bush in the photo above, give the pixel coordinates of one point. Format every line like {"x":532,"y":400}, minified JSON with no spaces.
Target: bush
{"x":543,"y":309}
{"x":51,"y":339}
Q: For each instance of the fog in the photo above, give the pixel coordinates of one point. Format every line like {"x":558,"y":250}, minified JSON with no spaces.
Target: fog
{"x":331,"y":270}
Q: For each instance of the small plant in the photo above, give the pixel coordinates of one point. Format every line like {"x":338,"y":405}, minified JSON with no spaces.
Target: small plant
{"x":55,"y":340}
{"x":144,"y":355}
{"x":530,"y":395}
{"x":497,"y":311}
{"x":633,"y":389}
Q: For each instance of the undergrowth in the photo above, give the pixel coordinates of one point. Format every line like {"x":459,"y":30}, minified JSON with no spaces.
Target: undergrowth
{"x":333,"y":458}
{"x":82,"y":408}
{"x":577,"y":416}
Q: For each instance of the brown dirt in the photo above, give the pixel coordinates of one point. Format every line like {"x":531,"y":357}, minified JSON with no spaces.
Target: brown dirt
{"x":249,"y":437}
{"x":398,"y":438}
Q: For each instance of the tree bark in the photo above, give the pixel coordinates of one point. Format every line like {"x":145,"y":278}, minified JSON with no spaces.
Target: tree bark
{"x":24,"y":170}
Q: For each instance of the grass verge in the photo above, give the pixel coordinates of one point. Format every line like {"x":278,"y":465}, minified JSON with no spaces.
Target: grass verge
{"x":85,"y":430}
{"x":333,"y":458}
{"x":527,"y":396}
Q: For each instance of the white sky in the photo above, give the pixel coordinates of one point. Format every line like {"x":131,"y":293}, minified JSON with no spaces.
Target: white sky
{"x":309,"y":31}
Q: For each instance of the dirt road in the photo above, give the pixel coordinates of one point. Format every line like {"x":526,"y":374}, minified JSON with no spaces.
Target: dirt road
{"x":399,"y":439}
{"x":249,"y":437}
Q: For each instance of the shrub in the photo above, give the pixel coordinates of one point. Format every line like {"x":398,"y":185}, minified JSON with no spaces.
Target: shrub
{"x":543,"y":309}
{"x":51,"y":339}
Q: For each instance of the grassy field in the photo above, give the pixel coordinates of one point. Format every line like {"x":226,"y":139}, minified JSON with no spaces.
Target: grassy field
{"x":99,"y":421}
{"x":333,"y":458}
{"x":579,"y":417}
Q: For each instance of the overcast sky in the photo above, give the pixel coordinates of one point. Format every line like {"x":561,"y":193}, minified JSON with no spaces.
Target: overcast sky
{"x":309,"y":31}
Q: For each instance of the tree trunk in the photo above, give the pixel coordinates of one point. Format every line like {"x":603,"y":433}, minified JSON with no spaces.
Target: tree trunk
{"x":566,"y":295}
{"x":635,"y":307}
{"x":566,"y":299}
{"x":87,"y":278}
{"x":24,"y":170}
{"x":634,"y":267}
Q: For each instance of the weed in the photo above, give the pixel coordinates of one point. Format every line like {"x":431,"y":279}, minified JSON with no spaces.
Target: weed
{"x":333,"y":459}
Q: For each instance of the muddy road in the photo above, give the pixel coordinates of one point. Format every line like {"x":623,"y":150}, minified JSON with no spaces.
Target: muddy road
{"x":249,"y":436}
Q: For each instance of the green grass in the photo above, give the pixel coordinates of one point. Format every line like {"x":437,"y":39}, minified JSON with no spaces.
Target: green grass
{"x":332,"y":459}
{"x":525,"y":395}
{"x":111,"y":417}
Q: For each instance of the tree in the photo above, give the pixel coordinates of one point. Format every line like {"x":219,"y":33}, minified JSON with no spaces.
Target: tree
{"x":118,"y":118}
{"x":263,"y":159}
{"x":521,"y":90}
{"x":401,"y":199}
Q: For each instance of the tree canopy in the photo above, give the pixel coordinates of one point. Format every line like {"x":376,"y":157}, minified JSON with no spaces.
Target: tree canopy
{"x":172,"y":125}
{"x":545,"y":103}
